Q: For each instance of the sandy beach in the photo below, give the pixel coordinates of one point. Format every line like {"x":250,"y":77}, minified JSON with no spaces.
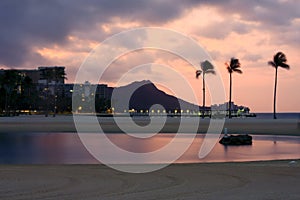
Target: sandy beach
{"x":66,"y":124}
{"x":254,"y":180}
{"x":248,"y":180}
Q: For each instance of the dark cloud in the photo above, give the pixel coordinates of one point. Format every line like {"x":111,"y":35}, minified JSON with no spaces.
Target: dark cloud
{"x":24,"y":25}
{"x":287,"y":35}
{"x":268,"y":12}
{"x":29,"y":23}
{"x":278,"y":20}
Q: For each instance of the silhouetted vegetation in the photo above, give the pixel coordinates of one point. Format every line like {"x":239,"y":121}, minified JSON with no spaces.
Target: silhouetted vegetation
{"x":233,"y":66}
{"x":17,"y":93}
{"x":279,"y":60}
{"x":20,"y":95}
{"x":206,"y":68}
{"x":57,"y":74}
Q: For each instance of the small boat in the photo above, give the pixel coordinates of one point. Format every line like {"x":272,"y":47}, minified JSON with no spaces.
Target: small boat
{"x":236,"y":140}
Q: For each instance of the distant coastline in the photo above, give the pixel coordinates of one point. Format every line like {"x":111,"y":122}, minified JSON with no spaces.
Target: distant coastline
{"x":259,"y":115}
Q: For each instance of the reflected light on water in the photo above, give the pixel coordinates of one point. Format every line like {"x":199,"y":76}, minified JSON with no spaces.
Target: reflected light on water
{"x":66,"y":148}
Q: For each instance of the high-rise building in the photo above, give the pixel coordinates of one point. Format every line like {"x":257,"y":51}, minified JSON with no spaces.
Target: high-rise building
{"x":44,"y":74}
{"x":52,"y":75}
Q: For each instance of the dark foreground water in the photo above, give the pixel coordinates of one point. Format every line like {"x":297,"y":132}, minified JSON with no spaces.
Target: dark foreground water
{"x":66,"y":148}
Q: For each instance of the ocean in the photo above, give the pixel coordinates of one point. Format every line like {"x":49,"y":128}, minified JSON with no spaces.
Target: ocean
{"x":279,"y":115}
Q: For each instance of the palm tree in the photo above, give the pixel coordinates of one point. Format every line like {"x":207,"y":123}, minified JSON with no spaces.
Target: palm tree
{"x":10,"y":81}
{"x":279,"y":60}
{"x":56,"y":74}
{"x":46,"y":75}
{"x":206,"y":68}
{"x":233,"y":66}
{"x":59,"y":77}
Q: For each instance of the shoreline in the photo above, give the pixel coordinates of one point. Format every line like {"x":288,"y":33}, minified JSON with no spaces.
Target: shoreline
{"x":61,"y":123}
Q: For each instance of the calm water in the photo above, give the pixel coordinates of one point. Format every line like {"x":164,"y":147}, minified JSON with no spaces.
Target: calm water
{"x":279,"y":115}
{"x":66,"y":148}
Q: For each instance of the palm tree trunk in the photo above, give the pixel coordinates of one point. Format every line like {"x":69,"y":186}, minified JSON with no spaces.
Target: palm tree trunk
{"x":55,"y":99}
{"x":47,"y":100}
{"x":275,"y":89}
{"x":6,"y":103}
{"x":230,"y":86}
{"x":203,"y":104}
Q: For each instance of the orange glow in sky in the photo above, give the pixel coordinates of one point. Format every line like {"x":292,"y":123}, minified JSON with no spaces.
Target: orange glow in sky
{"x":223,"y":33}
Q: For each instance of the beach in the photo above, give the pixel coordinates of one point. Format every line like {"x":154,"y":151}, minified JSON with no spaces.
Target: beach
{"x":253,"y":180}
{"x":233,"y":180}
{"x":62,"y":123}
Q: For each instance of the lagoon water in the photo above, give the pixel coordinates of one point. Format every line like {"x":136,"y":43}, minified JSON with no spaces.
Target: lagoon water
{"x":66,"y":148}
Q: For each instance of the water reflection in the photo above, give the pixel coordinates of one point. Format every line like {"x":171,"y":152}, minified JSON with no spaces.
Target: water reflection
{"x":66,"y":148}
{"x":42,"y":148}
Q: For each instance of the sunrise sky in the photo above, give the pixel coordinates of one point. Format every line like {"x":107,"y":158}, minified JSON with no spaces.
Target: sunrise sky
{"x":62,"y":32}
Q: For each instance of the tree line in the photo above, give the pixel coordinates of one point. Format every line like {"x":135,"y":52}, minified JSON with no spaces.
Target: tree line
{"x":20,"y":95}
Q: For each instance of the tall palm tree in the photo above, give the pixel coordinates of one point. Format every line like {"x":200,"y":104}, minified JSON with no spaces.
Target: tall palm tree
{"x":206,"y":68}
{"x":59,"y":77}
{"x":233,"y":66}
{"x":279,"y":60}
{"x":10,"y":82}
{"x":56,"y":74}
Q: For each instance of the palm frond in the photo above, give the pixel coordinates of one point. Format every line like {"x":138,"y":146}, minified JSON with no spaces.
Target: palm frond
{"x":273,"y":64}
{"x":210,"y":72}
{"x":280,"y":57}
{"x":198,"y":73}
{"x":285,"y":66}
{"x":206,"y":65}
{"x":279,"y":60}
{"x":238,"y":71}
{"x":229,"y":69}
{"x":234,"y":65}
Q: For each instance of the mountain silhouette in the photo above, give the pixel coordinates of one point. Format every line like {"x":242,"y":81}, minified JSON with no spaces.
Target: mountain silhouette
{"x":144,"y":95}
